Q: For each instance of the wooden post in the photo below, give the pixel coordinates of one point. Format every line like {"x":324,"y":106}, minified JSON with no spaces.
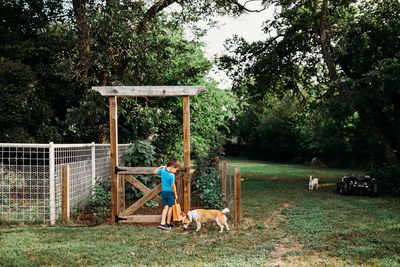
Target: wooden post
{"x":237,"y":196}
{"x":217,"y":163}
{"x":121,"y":193}
{"x":186,"y":154}
{"x":179,"y":186}
{"x":114,"y":156}
{"x":223,"y":180}
{"x":65,"y":193}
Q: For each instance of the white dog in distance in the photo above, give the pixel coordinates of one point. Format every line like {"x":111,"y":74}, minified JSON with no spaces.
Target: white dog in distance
{"x":313,"y":184}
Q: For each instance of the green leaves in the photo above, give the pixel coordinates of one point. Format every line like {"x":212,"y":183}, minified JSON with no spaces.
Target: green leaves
{"x":329,"y":55}
{"x":208,"y":185}
{"x":139,"y":154}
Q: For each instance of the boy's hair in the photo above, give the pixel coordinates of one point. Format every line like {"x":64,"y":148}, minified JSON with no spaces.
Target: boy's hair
{"x":174,"y":163}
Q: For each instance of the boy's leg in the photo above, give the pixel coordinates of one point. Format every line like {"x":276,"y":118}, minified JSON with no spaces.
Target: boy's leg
{"x":169,"y":216}
{"x":164,"y":214}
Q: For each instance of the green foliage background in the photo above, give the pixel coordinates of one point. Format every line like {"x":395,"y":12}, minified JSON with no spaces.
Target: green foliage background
{"x":46,"y":97}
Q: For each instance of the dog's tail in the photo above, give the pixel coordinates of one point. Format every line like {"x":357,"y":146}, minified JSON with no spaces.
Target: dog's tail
{"x":310,"y":177}
{"x":226,"y":210}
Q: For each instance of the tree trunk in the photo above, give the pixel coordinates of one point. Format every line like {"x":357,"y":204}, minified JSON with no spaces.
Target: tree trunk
{"x":83,"y":37}
{"x":379,"y":138}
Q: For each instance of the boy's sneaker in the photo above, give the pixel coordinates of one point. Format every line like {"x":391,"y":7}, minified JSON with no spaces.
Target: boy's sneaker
{"x":163,"y":226}
{"x":170,"y":225}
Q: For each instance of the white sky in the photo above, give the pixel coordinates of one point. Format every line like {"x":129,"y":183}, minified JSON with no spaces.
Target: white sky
{"x":248,"y":26}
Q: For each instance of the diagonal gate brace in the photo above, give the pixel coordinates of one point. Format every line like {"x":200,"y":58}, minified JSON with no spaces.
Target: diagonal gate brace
{"x":135,"y":206}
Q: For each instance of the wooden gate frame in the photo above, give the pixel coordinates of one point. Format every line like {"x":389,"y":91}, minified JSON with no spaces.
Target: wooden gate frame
{"x":119,"y":174}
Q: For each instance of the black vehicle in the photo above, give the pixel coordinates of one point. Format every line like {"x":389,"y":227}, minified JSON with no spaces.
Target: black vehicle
{"x":352,"y":184}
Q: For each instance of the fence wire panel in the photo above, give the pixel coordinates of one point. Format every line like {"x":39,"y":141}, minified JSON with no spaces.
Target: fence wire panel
{"x":24,"y":183}
{"x":230,"y":191}
{"x":25,"y":177}
{"x":79,"y":160}
{"x":103,"y":159}
{"x":121,"y":151}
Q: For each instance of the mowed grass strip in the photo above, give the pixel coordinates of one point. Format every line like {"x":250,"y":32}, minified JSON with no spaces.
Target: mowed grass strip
{"x":332,"y":230}
{"x":127,"y":245}
{"x":269,"y":170}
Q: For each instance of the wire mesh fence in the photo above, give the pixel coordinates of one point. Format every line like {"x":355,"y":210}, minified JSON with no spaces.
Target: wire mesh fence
{"x":230,"y":191}
{"x":30,"y":177}
{"x":228,"y":198}
{"x":24,"y":183}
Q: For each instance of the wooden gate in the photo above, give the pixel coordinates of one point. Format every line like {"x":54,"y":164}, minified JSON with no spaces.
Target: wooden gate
{"x":127,"y":174}
{"x":113,"y":92}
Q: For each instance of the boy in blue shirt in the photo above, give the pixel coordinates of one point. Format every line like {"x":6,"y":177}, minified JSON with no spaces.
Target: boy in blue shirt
{"x":168,"y":191}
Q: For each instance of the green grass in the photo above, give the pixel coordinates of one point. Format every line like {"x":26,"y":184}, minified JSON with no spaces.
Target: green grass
{"x":314,"y":228}
{"x":261,"y":170}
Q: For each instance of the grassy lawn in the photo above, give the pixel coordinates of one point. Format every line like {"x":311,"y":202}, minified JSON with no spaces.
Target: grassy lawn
{"x":283,"y":223}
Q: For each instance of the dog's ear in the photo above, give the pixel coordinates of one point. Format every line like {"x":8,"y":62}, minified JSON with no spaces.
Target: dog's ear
{"x":183,"y":214}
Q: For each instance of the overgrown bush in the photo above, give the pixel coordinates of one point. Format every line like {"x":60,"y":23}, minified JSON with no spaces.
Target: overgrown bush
{"x":207,"y":180}
{"x":388,"y":179}
{"x":208,"y":186}
{"x":97,"y":206}
{"x":139,"y":154}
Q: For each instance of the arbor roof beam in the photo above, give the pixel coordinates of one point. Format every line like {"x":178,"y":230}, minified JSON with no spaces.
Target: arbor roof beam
{"x":149,"y":91}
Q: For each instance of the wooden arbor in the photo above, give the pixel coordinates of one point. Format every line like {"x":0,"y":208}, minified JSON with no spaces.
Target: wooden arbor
{"x":119,"y":175}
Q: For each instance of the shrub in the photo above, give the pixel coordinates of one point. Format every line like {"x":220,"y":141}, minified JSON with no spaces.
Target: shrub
{"x":97,"y":206}
{"x":207,"y":180}
{"x":208,"y":186}
{"x":388,"y":179}
{"x":139,"y":154}
{"x":101,"y":200}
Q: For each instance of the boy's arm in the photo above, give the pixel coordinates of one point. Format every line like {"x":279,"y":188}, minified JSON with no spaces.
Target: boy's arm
{"x":174,"y":189}
{"x":159,"y":168}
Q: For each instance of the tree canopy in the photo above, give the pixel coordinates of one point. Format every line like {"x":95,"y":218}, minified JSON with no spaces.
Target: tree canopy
{"x":52,"y":52}
{"x":339,"y":61}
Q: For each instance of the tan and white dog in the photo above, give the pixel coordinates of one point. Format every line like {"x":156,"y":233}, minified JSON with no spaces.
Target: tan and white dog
{"x":200,"y":216}
{"x":313,"y":184}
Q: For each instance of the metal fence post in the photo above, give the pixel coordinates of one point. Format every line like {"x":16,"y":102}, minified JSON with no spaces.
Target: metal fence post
{"x":52,"y":190}
{"x":93,"y":165}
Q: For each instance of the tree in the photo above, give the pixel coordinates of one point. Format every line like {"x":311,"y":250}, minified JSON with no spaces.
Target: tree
{"x":338,"y":44}
{"x":36,"y":89}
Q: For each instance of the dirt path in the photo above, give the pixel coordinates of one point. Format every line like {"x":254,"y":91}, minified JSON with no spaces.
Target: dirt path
{"x":283,"y":243}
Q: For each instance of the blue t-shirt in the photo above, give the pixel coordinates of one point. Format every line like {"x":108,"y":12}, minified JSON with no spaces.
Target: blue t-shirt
{"x":167,"y":179}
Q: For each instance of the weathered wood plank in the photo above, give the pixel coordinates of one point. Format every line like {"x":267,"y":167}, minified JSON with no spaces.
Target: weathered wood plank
{"x":65,"y":193}
{"x":149,"y":91}
{"x":135,"y":206}
{"x":121,"y":193}
{"x":217,"y":163}
{"x":141,"y":219}
{"x":135,"y":182}
{"x":137,"y":170}
{"x":114,"y":155}
{"x":186,"y":154}
{"x":223,"y":180}
{"x":179,"y":186}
